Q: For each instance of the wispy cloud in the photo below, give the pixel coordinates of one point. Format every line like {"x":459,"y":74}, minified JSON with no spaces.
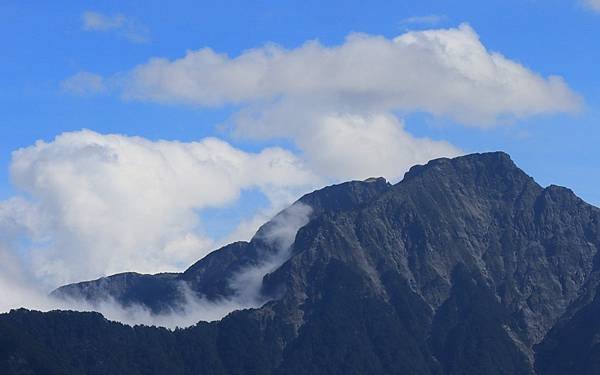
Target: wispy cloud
{"x":93,"y":21}
{"x":84,"y":83}
{"x":118,"y":23}
{"x":428,"y":20}
{"x":592,"y":4}
{"x":20,"y":288}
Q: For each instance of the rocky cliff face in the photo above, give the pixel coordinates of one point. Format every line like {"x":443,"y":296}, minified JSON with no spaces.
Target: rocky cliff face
{"x":467,"y":266}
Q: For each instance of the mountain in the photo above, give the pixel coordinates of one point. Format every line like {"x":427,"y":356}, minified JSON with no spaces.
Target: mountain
{"x":466,"y":266}
{"x":211,"y":276}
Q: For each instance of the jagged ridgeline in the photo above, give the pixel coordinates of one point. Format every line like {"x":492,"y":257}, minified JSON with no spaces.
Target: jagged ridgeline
{"x":466,"y":266}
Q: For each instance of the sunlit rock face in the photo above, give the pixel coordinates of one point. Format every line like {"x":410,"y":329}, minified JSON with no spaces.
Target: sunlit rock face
{"x":466,"y":266}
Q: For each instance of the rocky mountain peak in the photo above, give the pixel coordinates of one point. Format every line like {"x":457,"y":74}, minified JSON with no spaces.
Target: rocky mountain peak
{"x":466,"y":266}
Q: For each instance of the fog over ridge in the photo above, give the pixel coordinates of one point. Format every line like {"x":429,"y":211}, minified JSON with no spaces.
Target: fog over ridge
{"x":279,"y":233}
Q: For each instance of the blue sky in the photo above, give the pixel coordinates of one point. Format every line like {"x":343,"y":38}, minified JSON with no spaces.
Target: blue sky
{"x":46,"y":43}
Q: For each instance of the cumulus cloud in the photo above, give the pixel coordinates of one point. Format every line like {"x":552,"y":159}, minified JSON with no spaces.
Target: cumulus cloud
{"x":124,"y":26}
{"x":446,"y":72}
{"x":340,"y":104}
{"x":103,"y":204}
{"x":84,"y":83}
{"x":345,"y":146}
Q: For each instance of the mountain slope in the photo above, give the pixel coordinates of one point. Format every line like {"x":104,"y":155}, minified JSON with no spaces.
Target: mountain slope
{"x":466,"y":266}
{"x":211,"y":276}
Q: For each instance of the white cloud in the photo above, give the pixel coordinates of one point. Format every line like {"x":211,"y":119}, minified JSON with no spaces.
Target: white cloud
{"x":344,"y":146}
{"x":446,"y":72}
{"x":593,"y":4}
{"x":281,"y":234}
{"x":359,"y":147}
{"x":126,"y":27}
{"x":339,"y":104}
{"x":102,"y":204}
{"x":84,"y":83}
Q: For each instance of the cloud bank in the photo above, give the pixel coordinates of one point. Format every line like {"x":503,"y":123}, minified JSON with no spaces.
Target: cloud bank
{"x":98,"y":204}
{"x":446,"y":72}
{"x":93,"y":205}
{"x":347,"y":145}
{"x":20,"y":288}
{"x":340,"y":105}
{"x":101,"y":204}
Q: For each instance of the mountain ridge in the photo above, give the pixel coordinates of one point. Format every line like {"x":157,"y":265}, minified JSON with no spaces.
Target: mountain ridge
{"x":209,"y":276}
{"x":466,"y":266}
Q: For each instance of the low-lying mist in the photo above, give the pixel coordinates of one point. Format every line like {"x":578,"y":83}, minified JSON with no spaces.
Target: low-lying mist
{"x":19,"y":291}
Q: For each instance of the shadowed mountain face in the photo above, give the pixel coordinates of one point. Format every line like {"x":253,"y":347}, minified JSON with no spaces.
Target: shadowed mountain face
{"x":467,"y":266}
